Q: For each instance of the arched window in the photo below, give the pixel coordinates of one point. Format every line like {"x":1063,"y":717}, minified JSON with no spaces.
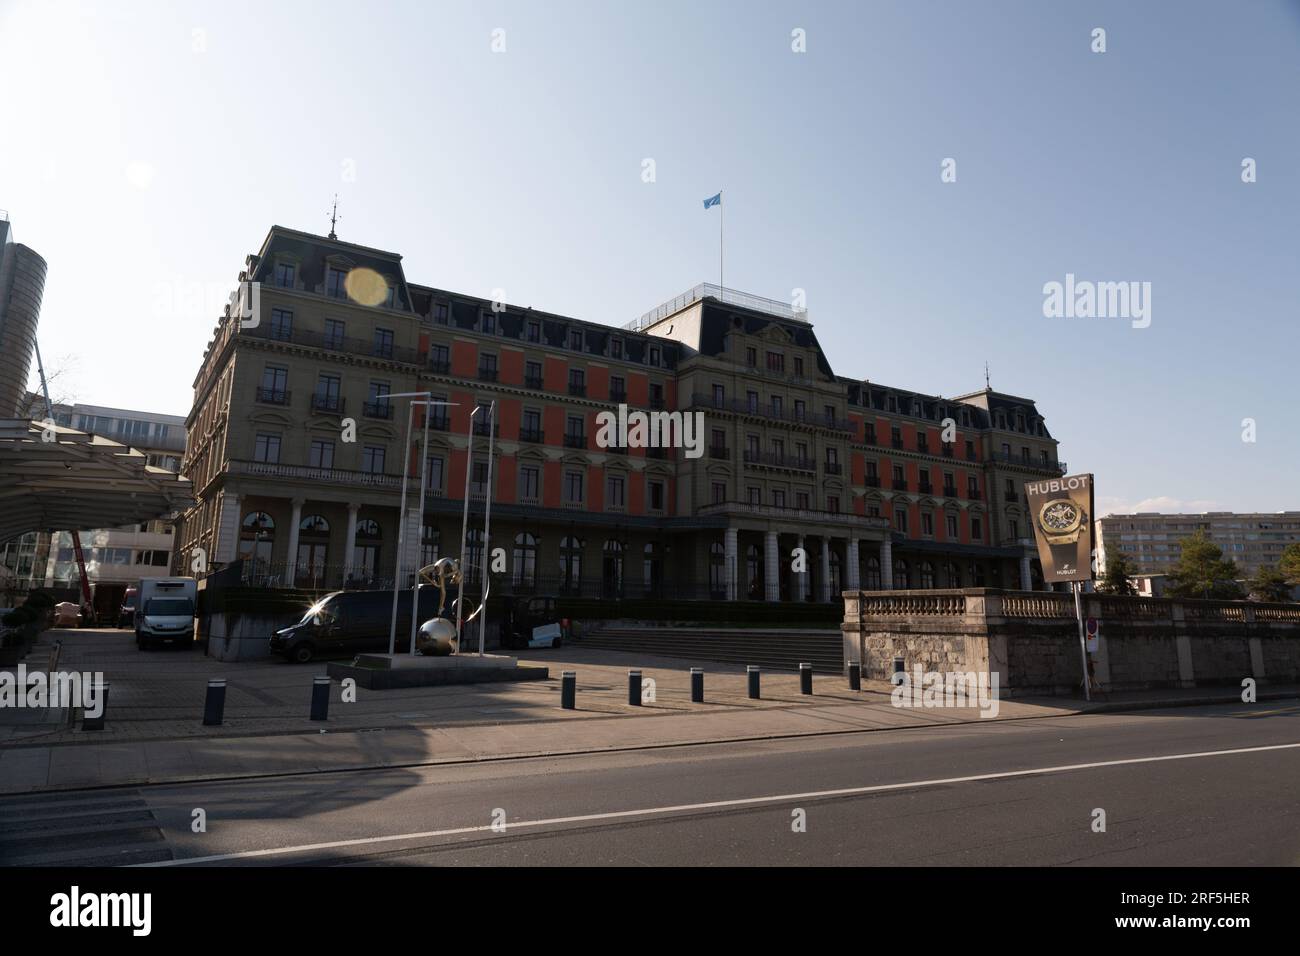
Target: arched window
{"x":900,"y":576}
{"x":872,"y":579}
{"x":256,"y":540}
{"x":365,"y":555}
{"x":474,"y":555}
{"x":653,"y":570}
{"x":717,"y":571}
{"x":754,"y":571}
{"x":927,"y":577}
{"x":525,"y":560}
{"x":570,"y":565}
{"x":611,"y":569}
{"x":430,"y":545}
{"x":313,"y":550}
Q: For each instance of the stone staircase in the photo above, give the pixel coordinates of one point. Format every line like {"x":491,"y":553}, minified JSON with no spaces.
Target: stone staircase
{"x":770,"y":649}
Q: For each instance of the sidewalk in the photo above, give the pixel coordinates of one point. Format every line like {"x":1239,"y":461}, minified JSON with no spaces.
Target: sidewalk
{"x":154,"y":732}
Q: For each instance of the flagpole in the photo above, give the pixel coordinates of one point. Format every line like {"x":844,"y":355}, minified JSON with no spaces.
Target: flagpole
{"x":721,"y":286}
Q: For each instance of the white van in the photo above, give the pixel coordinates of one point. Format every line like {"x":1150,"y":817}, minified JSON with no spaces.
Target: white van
{"x":165,"y":611}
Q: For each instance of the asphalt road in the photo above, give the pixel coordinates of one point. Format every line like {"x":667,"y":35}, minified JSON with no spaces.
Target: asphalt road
{"x":988,"y":793}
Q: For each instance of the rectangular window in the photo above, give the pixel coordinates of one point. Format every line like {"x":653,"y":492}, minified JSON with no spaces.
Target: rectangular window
{"x":575,"y":340}
{"x":478,"y":478}
{"x":656,"y":496}
{"x":334,"y":329}
{"x":530,"y":483}
{"x":778,"y":498}
{"x":383,"y":344}
{"x":777,"y":406}
{"x":751,"y":357}
{"x":1015,"y":535}
{"x":951,"y":522}
{"x":800,"y":409}
{"x":573,"y":487}
{"x":720,"y":399}
{"x":439,"y":359}
{"x":616,"y":348}
{"x":489,"y":323}
{"x":900,"y":524}
{"x":281,"y":325}
{"x":833,"y":505}
{"x":927,"y":528}
{"x":266,"y":448}
{"x":802,"y":500}
{"x":577,"y":382}
{"x":656,"y":395}
{"x":534,"y":331}
{"x":720,"y":495}
{"x":751,"y":401}
{"x":776,"y":362}
{"x":755,"y":495}
{"x":321,"y":454}
{"x":336,"y":283}
{"x":798,"y":370}
{"x":284,"y":273}
{"x":977,"y":534}
{"x":617,"y":388}
{"x":441,"y":313}
{"x":615,"y":492}
{"x":433,"y":472}
{"x":487,"y":367}
{"x":533,"y":375}
{"x":654,"y":356}
{"x":372,"y":459}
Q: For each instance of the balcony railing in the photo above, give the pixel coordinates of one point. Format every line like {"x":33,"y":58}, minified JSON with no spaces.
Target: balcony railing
{"x":926,"y":488}
{"x":377,"y":410}
{"x":482,"y":429}
{"x":577,"y":390}
{"x":273,"y":396}
{"x":535,"y":435}
{"x":898,"y":443}
{"x":974,"y":494}
{"x":656,"y":403}
{"x":618,"y":395}
{"x":487,"y":375}
{"x":872,"y":481}
{"x":329,"y":404}
{"x":440,"y":423}
{"x":439,"y":366}
{"x":950,"y":491}
{"x":1051,"y":467}
{"x":745,"y":407}
{"x":947,"y":453}
{"x":778,"y":460}
{"x":534,"y":382}
{"x":834,"y":468}
{"x":720,"y":452}
{"x":575,"y":441}
{"x":333,"y":343}
{"x":901,"y":485}
{"x":333,"y":476}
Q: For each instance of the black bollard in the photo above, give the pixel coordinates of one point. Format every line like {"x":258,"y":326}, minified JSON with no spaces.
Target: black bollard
{"x":569,"y":690}
{"x":697,"y":685}
{"x":97,"y":723}
{"x":214,"y":705}
{"x":320,"y":698}
{"x":805,"y":678}
{"x":752,"y":671}
{"x":634,"y":688}
{"x":855,"y":675}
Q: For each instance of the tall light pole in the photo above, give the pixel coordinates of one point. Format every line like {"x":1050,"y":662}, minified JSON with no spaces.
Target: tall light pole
{"x":401,"y":515}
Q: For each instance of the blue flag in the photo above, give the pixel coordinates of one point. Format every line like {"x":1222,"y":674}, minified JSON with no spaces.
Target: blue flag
{"x":713,"y":201}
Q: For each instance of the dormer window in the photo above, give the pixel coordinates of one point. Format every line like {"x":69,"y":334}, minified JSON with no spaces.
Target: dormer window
{"x":441,"y":313}
{"x":285,"y":274}
{"x":655,"y":356}
{"x":616,"y":348}
{"x":488,"y":323}
{"x":534,"y":331}
{"x":390,"y":299}
{"x":575,"y":340}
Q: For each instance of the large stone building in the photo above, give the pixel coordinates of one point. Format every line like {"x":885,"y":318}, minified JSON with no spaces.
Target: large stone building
{"x":1153,"y":540}
{"x":296,"y":454}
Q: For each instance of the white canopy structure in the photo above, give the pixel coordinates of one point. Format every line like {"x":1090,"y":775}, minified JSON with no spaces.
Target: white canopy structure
{"x":58,"y":479}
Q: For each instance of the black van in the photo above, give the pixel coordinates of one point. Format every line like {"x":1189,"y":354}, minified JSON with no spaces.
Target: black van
{"x":346,"y":623}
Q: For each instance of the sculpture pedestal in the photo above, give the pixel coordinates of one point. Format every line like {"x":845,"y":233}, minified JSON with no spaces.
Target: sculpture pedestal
{"x":382,"y":671}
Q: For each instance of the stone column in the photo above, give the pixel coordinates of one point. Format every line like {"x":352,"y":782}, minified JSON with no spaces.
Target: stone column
{"x":826,"y":570}
{"x":1026,"y":575}
{"x":801,"y":579}
{"x":887,"y":563}
{"x":291,"y":559}
{"x":852,"y":582}
{"x":730,"y":547}
{"x":772,"y":569}
{"x":227,"y":536}
{"x":350,"y":543}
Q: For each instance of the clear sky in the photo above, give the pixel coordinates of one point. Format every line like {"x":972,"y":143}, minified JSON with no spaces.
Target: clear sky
{"x":146,"y":148}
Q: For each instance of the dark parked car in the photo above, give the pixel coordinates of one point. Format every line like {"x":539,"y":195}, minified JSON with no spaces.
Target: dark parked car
{"x":347,"y":623}
{"x":532,"y":622}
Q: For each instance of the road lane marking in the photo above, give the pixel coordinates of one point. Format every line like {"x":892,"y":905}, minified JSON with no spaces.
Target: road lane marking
{"x":711,"y":805}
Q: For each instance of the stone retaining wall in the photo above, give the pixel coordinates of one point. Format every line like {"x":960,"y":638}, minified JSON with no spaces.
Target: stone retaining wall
{"x":1031,"y":638}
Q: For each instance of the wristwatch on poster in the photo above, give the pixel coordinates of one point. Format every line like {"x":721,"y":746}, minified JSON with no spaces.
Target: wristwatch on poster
{"x":1061,"y":521}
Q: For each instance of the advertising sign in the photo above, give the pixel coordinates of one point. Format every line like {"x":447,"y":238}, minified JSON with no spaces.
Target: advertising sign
{"x":1061,"y":510}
